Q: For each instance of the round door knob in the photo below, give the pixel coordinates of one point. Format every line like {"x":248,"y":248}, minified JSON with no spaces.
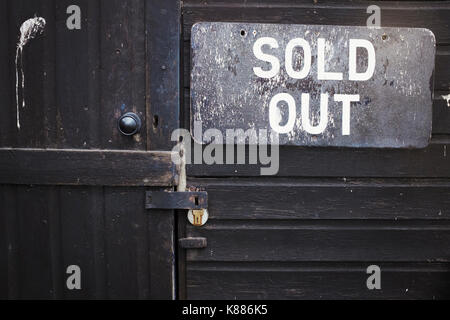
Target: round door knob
{"x":129,"y":124}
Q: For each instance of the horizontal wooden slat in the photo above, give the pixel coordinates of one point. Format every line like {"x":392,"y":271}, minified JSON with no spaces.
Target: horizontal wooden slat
{"x":431,"y":15}
{"x":441,"y":115}
{"x":321,"y":199}
{"x":433,"y":161}
{"x":442,"y":69}
{"x":316,"y":281}
{"x":87,"y":167}
{"x":323,"y":240}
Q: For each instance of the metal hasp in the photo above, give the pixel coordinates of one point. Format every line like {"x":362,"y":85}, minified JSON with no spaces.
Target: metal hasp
{"x":176,"y":200}
{"x":313,"y":85}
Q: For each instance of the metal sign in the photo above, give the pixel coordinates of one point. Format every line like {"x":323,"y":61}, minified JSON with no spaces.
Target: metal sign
{"x":314,"y":85}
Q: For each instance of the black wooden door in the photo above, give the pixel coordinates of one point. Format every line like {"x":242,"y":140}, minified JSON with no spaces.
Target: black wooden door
{"x":71,"y":186}
{"x":312,"y":230}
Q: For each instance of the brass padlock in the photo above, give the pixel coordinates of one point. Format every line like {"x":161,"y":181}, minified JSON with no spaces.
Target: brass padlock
{"x":198,"y":215}
{"x":198,"y":218}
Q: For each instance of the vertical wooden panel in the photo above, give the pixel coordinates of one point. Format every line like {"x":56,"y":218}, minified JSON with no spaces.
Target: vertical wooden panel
{"x":32,"y":117}
{"x":81,"y":223}
{"x":5,"y":206}
{"x":34,"y":263}
{"x":163,"y":34}
{"x":97,"y":221}
{"x":126,"y":244}
{"x":7,"y":121}
{"x":163,"y":71}
{"x":54,"y":223}
{"x":94,"y":59}
{"x":162,"y":253}
{"x":123,"y":70}
{"x":9,"y":210}
{"x":48,"y":106}
{"x":72,"y":118}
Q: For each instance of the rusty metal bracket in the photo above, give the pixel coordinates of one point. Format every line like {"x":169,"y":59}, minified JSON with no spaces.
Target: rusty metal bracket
{"x":176,"y":200}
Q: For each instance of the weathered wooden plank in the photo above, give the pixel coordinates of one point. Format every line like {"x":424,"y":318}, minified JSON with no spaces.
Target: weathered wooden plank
{"x":122,"y":50}
{"x":87,"y":167}
{"x":33,"y":115}
{"x":46,"y":90}
{"x":10,"y":229}
{"x":431,"y":15}
{"x":35,"y":268}
{"x":316,"y":281}
{"x":161,"y":226}
{"x":8,"y":120}
{"x":4,"y":242}
{"x":320,"y":199}
{"x":82,"y":236}
{"x":441,"y":115}
{"x":433,"y":161}
{"x":323,"y":240}
{"x":76,"y":73}
{"x":51,"y":194}
{"x":442,"y":70}
{"x":163,"y":32}
{"x":126,"y":246}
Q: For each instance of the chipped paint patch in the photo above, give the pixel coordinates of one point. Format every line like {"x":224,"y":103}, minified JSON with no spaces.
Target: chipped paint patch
{"x":29,"y":30}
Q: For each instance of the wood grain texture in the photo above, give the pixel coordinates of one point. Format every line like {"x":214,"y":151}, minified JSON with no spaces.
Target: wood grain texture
{"x":432,"y":15}
{"x":240,"y":281}
{"x":163,"y":32}
{"x":290,"y":199}
{"x":82,"y":235}
{"x":87,"y":167}
{"x":311,"y":231}
{"x":106,"y":231}
{"x":431,"y":162}
{"x":36,"y":272}
{"x":77,"y":82}
{"x":323,"y":240}
{"x":88,"y":206}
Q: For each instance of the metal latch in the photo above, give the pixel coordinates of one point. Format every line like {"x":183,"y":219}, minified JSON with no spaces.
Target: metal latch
{"x":193,"y":243}
{"x":195,"y":201}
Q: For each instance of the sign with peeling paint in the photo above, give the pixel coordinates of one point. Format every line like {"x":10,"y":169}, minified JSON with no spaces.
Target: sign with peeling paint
{"x":314,"y":85}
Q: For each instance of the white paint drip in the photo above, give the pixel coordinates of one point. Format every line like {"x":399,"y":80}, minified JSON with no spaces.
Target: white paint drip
{"x":29,"y":30}
{"x":447,"y":98}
